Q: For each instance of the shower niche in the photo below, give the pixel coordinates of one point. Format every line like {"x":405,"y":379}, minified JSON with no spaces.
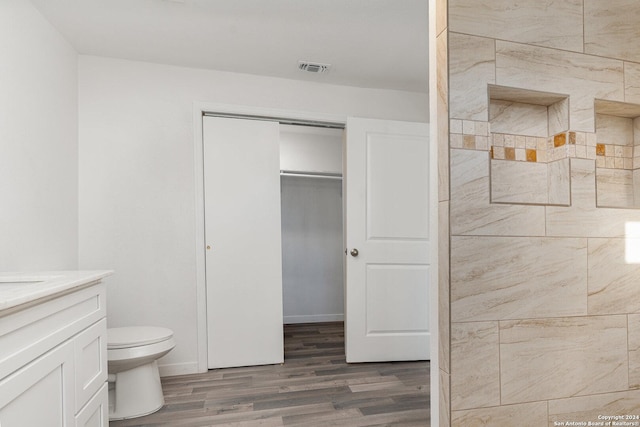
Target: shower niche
{"x":617,"y":135}
{"x":530,"y":147}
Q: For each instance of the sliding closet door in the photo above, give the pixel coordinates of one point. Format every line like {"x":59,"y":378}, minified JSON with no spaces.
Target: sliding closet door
{"x":242,"y":232}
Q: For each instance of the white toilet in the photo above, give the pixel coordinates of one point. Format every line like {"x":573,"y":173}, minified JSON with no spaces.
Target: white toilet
{"x":134,"y":381}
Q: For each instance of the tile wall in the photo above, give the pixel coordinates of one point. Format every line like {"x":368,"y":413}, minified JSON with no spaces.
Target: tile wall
{"x":544,"y":284}
{"x":442,"y":120}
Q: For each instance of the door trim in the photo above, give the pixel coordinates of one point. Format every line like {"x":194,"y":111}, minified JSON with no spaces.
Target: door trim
{"x":199,"y":109}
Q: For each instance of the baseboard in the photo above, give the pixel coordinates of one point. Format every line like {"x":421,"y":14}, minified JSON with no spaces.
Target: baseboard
{"x":173,"y":369}
{"x":314,"y":318}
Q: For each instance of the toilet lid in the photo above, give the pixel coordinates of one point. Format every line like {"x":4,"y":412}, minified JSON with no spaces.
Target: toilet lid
{"x":133,"y":336}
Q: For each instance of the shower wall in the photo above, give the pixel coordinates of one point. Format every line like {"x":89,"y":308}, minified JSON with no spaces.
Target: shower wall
{"x":544,"y":277}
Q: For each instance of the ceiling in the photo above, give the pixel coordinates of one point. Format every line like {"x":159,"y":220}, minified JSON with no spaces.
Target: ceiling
{"x":369,"y":43}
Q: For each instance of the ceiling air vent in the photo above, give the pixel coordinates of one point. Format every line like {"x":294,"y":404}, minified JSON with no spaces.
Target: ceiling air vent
{"x":313,"y":67}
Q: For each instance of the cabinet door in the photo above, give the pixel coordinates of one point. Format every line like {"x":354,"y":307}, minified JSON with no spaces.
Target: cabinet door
{"x":96,"y":411}
{"x":91,"y":361}
{"x":41,"y":393}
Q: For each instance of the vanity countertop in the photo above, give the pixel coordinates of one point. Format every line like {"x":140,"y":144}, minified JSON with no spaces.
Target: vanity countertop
{"x":26,"y":287}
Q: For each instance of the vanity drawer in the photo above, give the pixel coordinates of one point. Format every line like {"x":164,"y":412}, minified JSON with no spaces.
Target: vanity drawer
{"x":28,"y":333}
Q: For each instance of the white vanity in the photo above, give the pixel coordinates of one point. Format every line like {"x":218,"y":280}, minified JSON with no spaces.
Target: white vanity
{"x":53,"y":349}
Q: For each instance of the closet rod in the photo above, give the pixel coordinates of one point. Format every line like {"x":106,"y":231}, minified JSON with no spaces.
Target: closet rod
{"x":311,"y":175}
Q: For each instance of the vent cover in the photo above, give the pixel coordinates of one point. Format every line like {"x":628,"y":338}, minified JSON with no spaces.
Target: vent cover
{"x":313,"y":67}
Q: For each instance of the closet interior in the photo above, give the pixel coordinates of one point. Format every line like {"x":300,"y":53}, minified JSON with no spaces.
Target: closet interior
{"x":312,"y":224}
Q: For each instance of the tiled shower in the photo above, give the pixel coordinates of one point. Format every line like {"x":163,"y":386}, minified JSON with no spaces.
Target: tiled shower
{"x":539,"y":196}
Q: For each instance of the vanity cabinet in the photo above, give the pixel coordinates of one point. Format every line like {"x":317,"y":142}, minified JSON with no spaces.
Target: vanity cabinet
{"x":53,"y":361}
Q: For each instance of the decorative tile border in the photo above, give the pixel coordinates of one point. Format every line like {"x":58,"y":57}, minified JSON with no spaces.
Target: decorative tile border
{"x":612,"y":156}
{"x":469,"y":134}
{"x":518,"y":148}
{"x":476,"y":135}
{"x":541,"y":149}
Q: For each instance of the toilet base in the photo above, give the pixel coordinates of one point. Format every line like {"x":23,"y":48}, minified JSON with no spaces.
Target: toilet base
{"x":135,"y":392}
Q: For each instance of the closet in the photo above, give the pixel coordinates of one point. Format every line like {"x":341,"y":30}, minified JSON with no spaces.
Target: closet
{"x":273,"y":230}
{"x":275,"y":252}
{"x":312,"y":232}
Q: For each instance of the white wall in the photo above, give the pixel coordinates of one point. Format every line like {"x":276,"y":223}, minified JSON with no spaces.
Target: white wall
{"x":137,"y":187}
{"x":38,"y":143}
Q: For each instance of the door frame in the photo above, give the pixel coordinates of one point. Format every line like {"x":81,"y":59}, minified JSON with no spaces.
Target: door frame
{"x":201,"y":108}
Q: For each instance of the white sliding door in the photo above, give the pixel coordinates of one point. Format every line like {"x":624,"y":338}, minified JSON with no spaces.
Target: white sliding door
{"x":242,"y":234}
{"x":387,"y":237}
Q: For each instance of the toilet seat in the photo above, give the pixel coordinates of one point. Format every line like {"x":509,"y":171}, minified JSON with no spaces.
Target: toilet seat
{"x":135,"y":336}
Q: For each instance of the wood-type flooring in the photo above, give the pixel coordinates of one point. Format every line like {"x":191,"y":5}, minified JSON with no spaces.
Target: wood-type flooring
{"x":314,"y":387}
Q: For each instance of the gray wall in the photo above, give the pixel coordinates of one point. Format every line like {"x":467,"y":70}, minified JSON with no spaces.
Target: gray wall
{"x":312,"y":249}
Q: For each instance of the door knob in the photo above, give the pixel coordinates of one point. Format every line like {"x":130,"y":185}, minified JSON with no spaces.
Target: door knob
{"x":354,"y":252}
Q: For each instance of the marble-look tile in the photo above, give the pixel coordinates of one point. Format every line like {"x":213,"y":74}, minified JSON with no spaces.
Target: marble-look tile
{"x":499,"y":278}
{"x":443,"y":287}
{"x":522,"y":415}
{"x":441,"y":16}
{"x":613,"y":281}
{"x":636,"y":187}
{"x":595,"y":222}
{"x":583,"y":186}
{"x":518,"y":118}
{"x":558,"y":117}
{"x":519,"y":182}
{"x":471,"y":68}
{"x":551,"y":24}
{"x":455,"y":126}
{"x":515,"y":94}
{"x":442,"y":104}
{"x":475,"y":365}
{"x":632,"y":82}
{"x":634,"y":350}
{"x":616,"y":108}
{"x":553,"y":351}
{"x":587,"y":408}
{"x":614,"y":188}
{"x":471,"y":210}
{"x":559,"y":182}
{"x":614,"y":130}
{"x":583,"y":218}
{"x":636,"y":133}
{"x":583,"y":77}
{"x":445,"y":397}
{"x":611,"y":28}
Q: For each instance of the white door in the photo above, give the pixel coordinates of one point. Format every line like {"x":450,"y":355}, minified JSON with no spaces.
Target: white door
{"x":242,"y":234}
{"x":387,"y":240}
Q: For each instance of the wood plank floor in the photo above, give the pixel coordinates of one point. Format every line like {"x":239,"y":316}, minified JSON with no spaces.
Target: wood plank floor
{"x":314,"y":387}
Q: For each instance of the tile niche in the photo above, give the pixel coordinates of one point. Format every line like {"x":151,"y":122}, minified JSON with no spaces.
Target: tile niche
{"x":617,"y":154}
{"x":530,"y":146}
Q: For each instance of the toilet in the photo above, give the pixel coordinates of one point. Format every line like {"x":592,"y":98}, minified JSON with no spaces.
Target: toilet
{"x":134,"y":380}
